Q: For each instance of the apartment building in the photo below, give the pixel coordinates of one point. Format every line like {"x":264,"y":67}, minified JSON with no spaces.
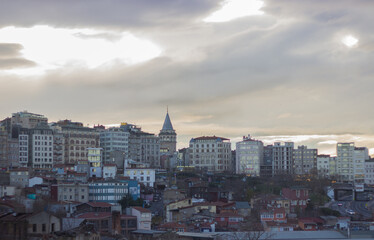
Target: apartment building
{"x":305,"y":160}
{"x":282,"y":158}
{"x":249,"y":156}
{"x":211,"y":153}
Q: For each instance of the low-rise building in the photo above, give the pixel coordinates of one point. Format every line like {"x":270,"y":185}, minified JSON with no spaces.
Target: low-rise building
{"x":147,"y":176}
{"x":109,"y":171}
{"x":7,"y":191}
{"x":43,"y":223}
{"x":143,"y":216}
{"x":74,"y":192}
{"x":19,"y":177}
{"x":110,"y":191}
{"x":273,"y":215}
{"x":298,"y":197}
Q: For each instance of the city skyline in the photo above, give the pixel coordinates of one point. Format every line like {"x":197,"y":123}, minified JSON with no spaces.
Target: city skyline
{"x":281,"y":71}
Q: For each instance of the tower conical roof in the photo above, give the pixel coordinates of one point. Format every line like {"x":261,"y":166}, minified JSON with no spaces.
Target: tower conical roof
{"x":167,"y":124}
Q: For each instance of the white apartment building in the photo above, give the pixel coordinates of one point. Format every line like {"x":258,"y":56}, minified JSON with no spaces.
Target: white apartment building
{"x":147,"y":176}
{"x":41,"y":147}
{"x":345,"y":161}
{"x":351,"y":162}
{"x":283,"y":158}
{"x":369,"y":172}
{"x":249,"y":156}
{"x":211,"y":153}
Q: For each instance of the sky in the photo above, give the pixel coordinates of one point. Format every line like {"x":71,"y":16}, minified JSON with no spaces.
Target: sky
{"x":290,"y":70}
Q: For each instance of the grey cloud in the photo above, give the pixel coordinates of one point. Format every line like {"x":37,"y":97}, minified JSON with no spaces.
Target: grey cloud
{"x":10,"y":56}
{"x":121,"y":14}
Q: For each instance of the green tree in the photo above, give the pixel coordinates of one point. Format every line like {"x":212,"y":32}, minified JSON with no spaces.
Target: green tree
{"x":128,"y":201}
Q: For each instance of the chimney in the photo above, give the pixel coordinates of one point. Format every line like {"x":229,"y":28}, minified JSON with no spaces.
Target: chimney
{"x":116,"y":222}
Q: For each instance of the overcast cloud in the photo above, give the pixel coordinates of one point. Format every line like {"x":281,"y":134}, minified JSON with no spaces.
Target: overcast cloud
{"x":278,"y":76}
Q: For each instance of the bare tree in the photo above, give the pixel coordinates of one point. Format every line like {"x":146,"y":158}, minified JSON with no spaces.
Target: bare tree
{"x":249,"y":230}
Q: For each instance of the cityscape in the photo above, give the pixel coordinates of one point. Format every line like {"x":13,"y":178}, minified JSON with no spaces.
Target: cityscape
{"x":64,"y":180}
{"x":186,"y":119}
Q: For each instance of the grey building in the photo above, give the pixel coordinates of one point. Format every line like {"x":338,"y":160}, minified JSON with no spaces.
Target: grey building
{"x":143,"y":147}
{"x":74,"y":192}
{"x":114,"y":140}
{"x":283,"y":158}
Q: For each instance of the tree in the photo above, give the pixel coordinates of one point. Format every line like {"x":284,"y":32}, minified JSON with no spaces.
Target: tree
{"x":248,"y":230}
{"x":128,"y":201}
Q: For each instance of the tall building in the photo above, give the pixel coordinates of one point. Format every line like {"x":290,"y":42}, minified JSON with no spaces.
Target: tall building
{"x":323,"y":165}
{"x":94,"y":156}
{"x":369,"y":172}
{"x":351,"y":162}
{"x":114,"y":140}
{"x":249,"y":156}
{"x":143,"y":147}
{"x":283,"y":158}
{"x":168,"y":136}
{"x":360,"y":155}
{"x":211,"y":153}
{"x":305,"y":160}
{"x":41,"y":140}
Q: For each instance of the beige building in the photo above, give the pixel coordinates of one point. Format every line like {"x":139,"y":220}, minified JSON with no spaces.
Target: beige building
{"x":76,"y":140}
{"x":211,"y":153}
{"x":305,"y":160}
{"x":28,"y":120}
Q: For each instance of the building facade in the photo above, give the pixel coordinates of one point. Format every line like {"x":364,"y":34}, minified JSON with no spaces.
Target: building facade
{"x":305,"y":160}
{"x":351,"y":162}
{"x":282,"y":158}
{"x":142,"y":175}
{"x":114,"y":140}
{"x":143,"y":147}
{"x":249,"y":156}
{"x":323,"y":165}
{"x":73,"y":192}
{"x":76,"y":140}
{"x":211,"y":153}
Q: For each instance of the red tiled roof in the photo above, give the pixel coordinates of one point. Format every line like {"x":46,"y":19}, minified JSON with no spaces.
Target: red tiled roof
{"x":143,"y":210}
{"x":95,"y":215}
{"x":99,"y":204}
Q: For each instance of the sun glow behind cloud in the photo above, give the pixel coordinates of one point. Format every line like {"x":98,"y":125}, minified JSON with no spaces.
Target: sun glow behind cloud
{"x":52,"y":48}
{"x":233,"y":9}
{"x":350,"y":41}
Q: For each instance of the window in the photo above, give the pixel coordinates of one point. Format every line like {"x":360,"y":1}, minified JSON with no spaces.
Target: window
{"x":43,"y":227}
{"x":34,"y":228}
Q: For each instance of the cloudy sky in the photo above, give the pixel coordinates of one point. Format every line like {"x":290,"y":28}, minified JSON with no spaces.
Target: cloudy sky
{"x":281,"y":70}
